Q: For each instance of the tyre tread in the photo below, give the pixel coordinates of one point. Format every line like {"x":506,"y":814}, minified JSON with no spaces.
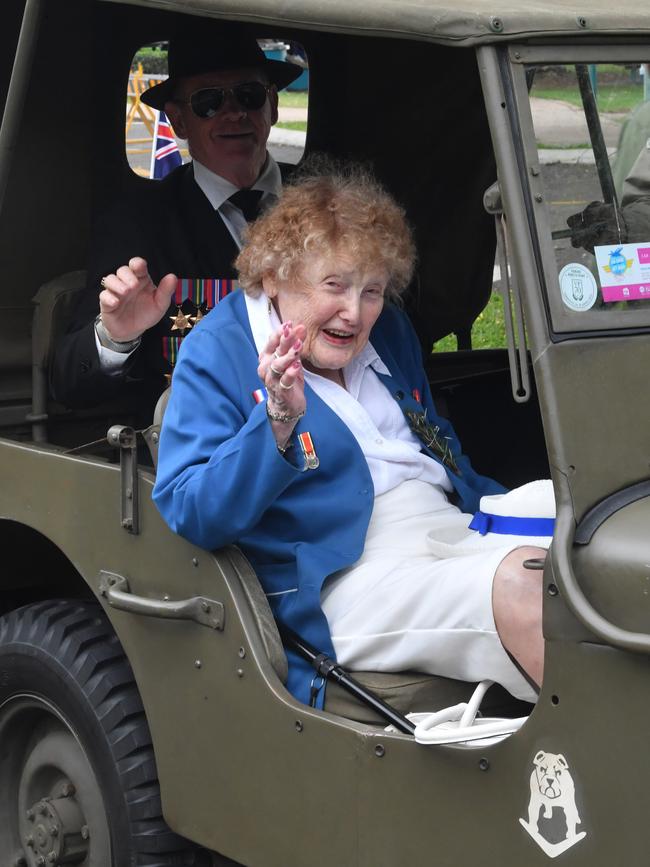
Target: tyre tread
{"x":80,"y":638}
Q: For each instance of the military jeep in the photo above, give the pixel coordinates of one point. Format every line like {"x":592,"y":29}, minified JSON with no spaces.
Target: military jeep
{"x":143,"y":714}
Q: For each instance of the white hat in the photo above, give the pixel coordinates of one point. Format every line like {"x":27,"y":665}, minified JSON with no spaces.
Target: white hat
{"x":523,"y":516}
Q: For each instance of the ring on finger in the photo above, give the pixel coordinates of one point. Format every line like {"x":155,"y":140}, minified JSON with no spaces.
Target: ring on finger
{"x":102,"y":282}
{"x":275,"y":372}
{"x":276,"y":354}
{"x":285,"y":387}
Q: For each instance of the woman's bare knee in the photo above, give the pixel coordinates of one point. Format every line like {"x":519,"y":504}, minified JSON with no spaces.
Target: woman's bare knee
{"x":517,"y":607}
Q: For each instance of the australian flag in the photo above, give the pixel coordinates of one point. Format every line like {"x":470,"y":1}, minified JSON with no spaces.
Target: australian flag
{"x":165,"y":155}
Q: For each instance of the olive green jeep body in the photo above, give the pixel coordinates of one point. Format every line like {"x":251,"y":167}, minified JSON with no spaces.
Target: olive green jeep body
{"x":143,"y":714}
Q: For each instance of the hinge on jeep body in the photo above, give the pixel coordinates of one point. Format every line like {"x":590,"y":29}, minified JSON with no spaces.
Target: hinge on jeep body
{"x":125,"y":438}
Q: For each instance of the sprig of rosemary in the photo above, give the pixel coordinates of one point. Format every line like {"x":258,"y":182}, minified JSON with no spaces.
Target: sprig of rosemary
{"x":429,"y":435}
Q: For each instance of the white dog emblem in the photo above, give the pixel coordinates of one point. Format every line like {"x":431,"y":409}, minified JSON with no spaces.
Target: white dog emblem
{"x":552,"y":788}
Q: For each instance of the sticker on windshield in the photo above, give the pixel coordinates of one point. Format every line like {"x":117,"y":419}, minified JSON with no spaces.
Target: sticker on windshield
{"x":624,"y":271}
{"x":578,"y":286}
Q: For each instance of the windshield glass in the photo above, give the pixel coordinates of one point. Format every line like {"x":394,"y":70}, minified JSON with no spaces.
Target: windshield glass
{"x":592,"y":131}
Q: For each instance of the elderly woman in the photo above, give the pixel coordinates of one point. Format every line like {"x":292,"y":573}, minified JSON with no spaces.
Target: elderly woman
{"x":301,"y":427}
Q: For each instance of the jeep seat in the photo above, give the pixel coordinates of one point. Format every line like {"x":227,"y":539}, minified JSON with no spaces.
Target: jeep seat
{"x":405,"y":691}
{"x":53,"y":305}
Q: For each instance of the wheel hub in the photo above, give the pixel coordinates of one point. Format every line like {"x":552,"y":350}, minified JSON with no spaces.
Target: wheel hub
{"x":55,"y":831}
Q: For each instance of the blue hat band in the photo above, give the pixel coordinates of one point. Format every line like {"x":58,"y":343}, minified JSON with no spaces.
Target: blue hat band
{"x":486,"y":523}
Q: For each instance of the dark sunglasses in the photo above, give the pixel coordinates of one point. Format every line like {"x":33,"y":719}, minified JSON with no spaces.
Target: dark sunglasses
{"x":250,"y":95}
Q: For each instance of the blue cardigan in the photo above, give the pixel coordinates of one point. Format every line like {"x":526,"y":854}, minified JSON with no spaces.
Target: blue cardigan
{"x":222,"y":480}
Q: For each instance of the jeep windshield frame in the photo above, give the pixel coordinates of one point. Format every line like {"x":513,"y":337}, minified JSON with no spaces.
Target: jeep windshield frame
{"x":506,"y":74}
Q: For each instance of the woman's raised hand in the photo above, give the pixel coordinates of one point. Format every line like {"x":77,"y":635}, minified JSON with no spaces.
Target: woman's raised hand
{"x":281,"y":371}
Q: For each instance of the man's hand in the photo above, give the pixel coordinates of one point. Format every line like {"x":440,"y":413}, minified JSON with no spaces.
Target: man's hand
{"x":130,"y":302}
{"x":597,"y":225}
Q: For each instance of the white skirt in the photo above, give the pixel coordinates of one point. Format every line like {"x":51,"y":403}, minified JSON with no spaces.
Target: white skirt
{"x":401,"y":608}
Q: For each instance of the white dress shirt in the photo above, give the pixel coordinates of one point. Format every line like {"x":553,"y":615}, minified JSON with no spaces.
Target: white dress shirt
{"x":218,"y":190}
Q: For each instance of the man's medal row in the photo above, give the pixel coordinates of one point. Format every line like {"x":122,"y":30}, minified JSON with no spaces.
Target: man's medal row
{"x":203,"y":293}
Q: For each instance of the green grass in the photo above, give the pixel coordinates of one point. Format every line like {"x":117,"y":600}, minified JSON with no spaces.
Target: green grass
{"x":293,"y":98}
{"x":488,"y":332}
{"x":293,"y":124}
{"x":611,"y":98}
{"x":563,"y":147}
{"x":149,"y":51}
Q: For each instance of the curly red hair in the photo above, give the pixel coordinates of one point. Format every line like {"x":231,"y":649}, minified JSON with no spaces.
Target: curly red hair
{"x":344,"y":210}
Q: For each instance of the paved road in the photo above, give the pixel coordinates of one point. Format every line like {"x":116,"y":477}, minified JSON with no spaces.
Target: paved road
{"x":559,"y":124}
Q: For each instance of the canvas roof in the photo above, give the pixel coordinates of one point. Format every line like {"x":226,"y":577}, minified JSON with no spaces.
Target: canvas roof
{"x":458,"y":22}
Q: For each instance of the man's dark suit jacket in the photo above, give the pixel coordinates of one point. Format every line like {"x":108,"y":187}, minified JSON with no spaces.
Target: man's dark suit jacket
{"x":172,"y":225}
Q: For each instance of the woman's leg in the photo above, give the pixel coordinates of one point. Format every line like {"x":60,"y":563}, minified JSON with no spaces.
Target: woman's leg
{"x":517,"y":607}
{"x":426,"y":615}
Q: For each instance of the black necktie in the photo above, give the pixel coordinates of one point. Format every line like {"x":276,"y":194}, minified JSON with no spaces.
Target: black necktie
{"x":248,"y":202}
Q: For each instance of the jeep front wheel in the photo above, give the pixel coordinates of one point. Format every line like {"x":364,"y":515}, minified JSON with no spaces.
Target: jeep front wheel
{"x":78,"y":781}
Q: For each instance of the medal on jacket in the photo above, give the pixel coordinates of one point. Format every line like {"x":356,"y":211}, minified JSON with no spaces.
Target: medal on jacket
{"x":171,"y":345}
{"x":308,"y":450}
{"x":181,"y":321}
{"x":203,"y":293}
{"x":429,"y":435}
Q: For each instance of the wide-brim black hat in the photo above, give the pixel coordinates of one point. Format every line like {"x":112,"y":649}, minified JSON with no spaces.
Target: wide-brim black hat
{"x":212,"y":52}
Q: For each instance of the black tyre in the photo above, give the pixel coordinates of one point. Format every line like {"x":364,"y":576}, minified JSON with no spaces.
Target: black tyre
{"x":78,"y":782}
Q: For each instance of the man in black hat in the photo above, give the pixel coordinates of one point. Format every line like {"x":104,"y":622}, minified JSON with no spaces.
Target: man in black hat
{"x":175,"y":239}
